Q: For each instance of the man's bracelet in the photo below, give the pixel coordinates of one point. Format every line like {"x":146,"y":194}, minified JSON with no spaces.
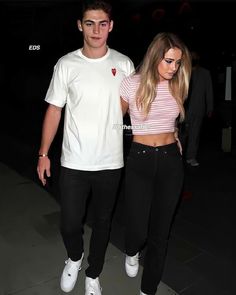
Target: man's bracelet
{"x":42,"y":155}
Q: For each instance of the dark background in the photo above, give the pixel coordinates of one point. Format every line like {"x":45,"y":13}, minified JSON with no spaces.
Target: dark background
{"x":201,"y":247}
{"x":25,"y":74}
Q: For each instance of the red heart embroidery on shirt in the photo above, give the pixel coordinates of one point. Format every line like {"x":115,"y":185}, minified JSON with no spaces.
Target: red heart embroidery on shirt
{"x":113,"y":71}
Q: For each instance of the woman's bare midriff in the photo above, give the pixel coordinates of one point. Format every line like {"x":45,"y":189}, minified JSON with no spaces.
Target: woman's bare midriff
{"x":155,"y":139}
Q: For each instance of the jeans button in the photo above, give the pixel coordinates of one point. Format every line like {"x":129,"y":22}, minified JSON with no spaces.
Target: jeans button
{"x":156,"y":149}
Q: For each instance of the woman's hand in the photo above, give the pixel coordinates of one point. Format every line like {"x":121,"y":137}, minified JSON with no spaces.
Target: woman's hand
{"x":176,"y":135}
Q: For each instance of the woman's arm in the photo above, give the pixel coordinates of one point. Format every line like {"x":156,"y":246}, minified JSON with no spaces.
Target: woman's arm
{"x":176,"y":135}
{"x":124,"y":106}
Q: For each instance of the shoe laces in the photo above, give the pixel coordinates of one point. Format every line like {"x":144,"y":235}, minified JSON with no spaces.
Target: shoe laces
{"x":133,"y":259}
{"x":92,"y":286}
{"x":70,"y":265}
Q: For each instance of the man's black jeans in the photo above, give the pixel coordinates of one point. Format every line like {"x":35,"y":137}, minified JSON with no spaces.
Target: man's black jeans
{"x":75,"y":187}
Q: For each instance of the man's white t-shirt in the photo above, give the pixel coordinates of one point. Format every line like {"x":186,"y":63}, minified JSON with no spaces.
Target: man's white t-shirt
{"x":89,"y":90}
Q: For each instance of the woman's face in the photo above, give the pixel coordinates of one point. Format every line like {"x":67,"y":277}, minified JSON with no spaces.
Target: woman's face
{"x":169,"y":64}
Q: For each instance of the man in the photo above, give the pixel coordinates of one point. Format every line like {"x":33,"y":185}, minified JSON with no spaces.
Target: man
{"x":87,"y":82}
{"x":199,"y":103}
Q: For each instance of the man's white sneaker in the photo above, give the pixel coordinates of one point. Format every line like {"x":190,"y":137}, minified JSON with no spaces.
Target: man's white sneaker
{"x":132,"y":265}
{"x":70,"y":274}
{"x":141,"y":293}
{"x":92,"y":286}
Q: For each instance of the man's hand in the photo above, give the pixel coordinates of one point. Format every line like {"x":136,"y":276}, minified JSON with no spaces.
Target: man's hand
{"x":43,"y":168}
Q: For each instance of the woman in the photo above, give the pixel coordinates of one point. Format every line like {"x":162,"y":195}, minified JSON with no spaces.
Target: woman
{"x":154,"y":96}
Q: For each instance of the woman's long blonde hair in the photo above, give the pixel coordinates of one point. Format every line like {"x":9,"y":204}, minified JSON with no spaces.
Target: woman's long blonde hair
{"x":149,"y":76}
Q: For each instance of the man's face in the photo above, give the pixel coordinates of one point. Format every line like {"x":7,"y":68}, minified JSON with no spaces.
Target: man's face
{"x":96,"y":26}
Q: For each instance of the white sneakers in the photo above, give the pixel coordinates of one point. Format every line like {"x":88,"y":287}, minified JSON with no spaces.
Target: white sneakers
{"x":92,"y":286}
{"x":141,"y":293}
{"x":132,"y":265}
{"x":69,"y":278}
{"x":70,"y":274}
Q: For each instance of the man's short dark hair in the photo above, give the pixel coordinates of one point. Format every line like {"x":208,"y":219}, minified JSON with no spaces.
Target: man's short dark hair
{"x":96,"y":5}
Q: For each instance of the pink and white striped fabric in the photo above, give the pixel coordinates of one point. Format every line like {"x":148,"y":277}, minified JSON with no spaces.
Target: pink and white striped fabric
{"x":162,"y":115}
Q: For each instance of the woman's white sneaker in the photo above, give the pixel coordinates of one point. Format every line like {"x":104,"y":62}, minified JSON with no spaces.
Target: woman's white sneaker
{"x":132,"y":265}
{"x":70,"y":274}
{"x":92,"y":286}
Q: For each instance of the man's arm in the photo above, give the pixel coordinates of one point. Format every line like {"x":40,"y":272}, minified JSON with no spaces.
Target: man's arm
{"x":50,"y":126}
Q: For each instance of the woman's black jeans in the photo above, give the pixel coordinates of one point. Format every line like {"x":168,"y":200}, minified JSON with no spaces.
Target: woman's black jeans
{"x":154,"y":178}
{"x":75,"y":188}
